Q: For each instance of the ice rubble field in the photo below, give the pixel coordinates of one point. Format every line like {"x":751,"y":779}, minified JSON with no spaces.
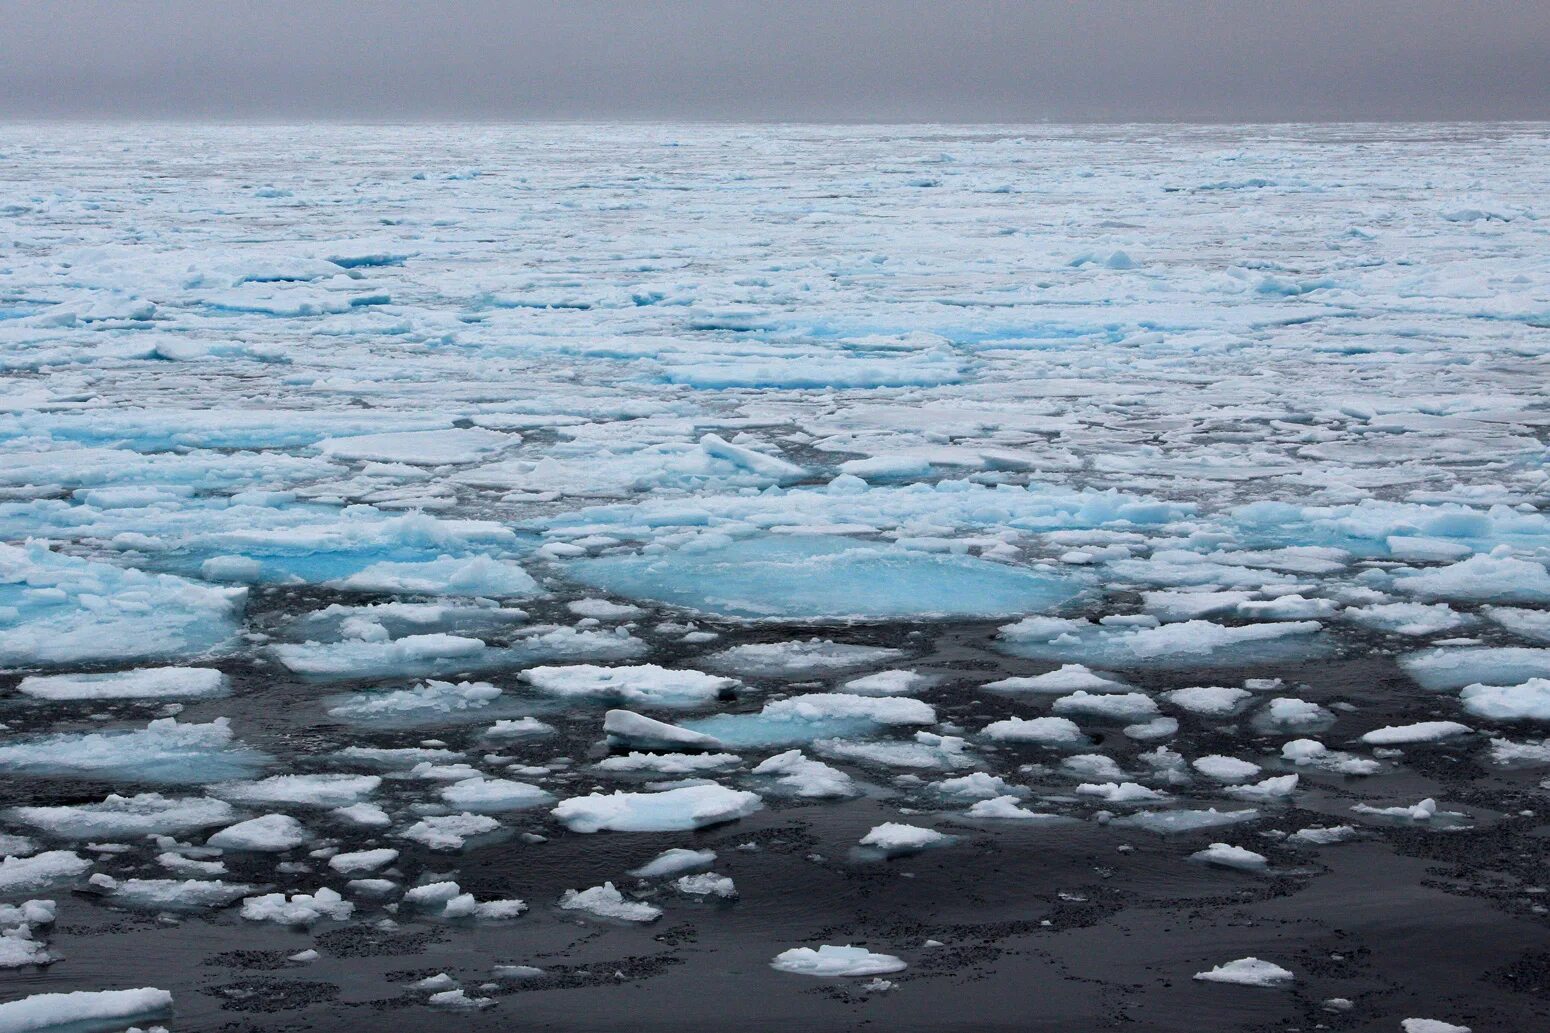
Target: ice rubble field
{"x":386,"y":507}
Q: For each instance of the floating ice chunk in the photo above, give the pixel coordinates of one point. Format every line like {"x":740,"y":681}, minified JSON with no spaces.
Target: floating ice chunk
{"x":1268,"y":790}
{"x":1208,"y":700}
{"x":125,"y":817}
{"x":1425,"y":811}
{"x":668,"y":763}
{"x":642,"y":683}
{"x":20,"y":875}
{"x":799,"y":659}
{"x":450,"y":831}
{"x":1409,"y":618}
{"x":1431,"y":1026}
{"x":19,"y":928}
{"x":886,"y":683}
{"x":1421,"y":731}
{"x":367,"y":815}
{"x":83,"y":1010}
{"x":1092,"y":766}
{"x":1192,"y":605}
{"x":802,"y":777}
{"x":603,"y":609}
{"x":1447,"y":668}
{"x":1225,"y":769}
{"x":675,"y":810}
{"x":706,"y":884}
{"x":445,"y":576}
{"x":58,"y":610}
{"x":327,"y":790}
{"x":1533,"y":624}
{"x":1118,"y":706}
{"x":812,"y":716}
{"x":271,"y":833}
{"x":829,"y":960}
{"x":887,"y":468}
{"x":1169,"y":822}
{"x":1045,"y":731}
{"x":1190,"y":643}
{"x":1289,"y":714}
{"x":625,"y":728}
{"x":674,"y":862}
{"x":518,"y":728}
{"x":163,"y":751}
{"x":978,"y":785}
{"x":1007,"y":808}
{"x":427,"y":703}
{"x":486,"y":795}
{"x":607,"y":902}
{"x":298,"y":909}
{"x":1156,"y":728}
{"x":1227,"y":856}
{"x":1248,"y":972}
{"x":1312,"y":752}
{"x":458,"y":999}
{"x":895,"y":839}
{"x":775,"y":469}
{"x":1121,"y":792}
{"x":421,"y":447}
{"x":1505,"y":751}
{"x":1323,"y":836}
{"x":407,"y":657}
{"x":927,"y":750}
{"x":1529,"y":701}
{"x":1069,"y":678}
{"x":141,"y":683}
{"x":359,"y":861}
{"x":171,"y":894}
{"x":816,"y":577}
{"x":1488,"y":578}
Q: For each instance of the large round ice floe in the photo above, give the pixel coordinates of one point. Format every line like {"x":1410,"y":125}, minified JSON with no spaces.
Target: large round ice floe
{"x":819,"y":577}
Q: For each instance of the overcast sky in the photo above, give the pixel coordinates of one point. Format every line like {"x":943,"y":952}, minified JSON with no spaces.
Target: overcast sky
{"x":842,"y":60}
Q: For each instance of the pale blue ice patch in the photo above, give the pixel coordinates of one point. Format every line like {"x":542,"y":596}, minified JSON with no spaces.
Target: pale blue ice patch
{"x":164,"y":752}
{"x":818,"y":577}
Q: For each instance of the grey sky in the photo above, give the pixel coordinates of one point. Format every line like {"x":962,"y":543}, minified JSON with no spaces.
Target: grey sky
{"x":885,"y":60}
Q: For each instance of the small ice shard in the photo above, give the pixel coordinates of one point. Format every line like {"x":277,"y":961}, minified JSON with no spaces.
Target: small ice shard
{"x":625,"y":728}
{"x":804,"y":718}
{"x":1067,"y":679}
{"x":1007,"y":808}
{"x":829,"y":960}
{"x":668,"y":763}
{"x":675,"y":810}
{"x":926,"y":750}
{"x":1248,"y":972}
{"x":607,"y":902}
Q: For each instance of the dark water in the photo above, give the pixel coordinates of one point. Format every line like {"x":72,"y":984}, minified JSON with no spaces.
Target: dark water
{"x":1073,"y":926}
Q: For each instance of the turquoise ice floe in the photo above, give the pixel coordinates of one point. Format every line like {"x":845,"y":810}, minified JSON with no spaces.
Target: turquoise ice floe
{"x":822,"y":577}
